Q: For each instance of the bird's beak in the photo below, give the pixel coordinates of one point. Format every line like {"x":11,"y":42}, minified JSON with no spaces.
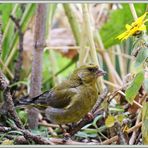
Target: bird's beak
{"x":101,"y":72}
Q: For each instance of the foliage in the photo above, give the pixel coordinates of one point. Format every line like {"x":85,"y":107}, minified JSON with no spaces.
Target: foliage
{"x":134,"y":87}
{"x":126,"y":78}
{"x":145,"y":122}
{"x":116,"y":22}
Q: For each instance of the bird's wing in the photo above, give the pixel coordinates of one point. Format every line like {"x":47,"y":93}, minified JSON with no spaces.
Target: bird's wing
{"x":58,"y":97}
{"x":75,"y":103}
{"x":55,"y":98}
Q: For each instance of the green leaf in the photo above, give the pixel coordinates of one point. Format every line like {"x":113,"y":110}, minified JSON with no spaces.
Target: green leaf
{"x":115,"y":109}
{"x":86,"y":126}
{"x":92,"y":133}
{"x":145,"y":111}
{"x":142,"y":55}
{"x":23,"y":116}
{"x":110,"y":120}
{"x":96,"y":120}
{"x":116,"y":22}
{"x":146,"y":84}
{"x":133,"y":89}
{"x":5,"y":10}
{"x":15,"y":132}
{"x":13,"y":40}
{"x":145,"y":123}
{"x":120,"y":118}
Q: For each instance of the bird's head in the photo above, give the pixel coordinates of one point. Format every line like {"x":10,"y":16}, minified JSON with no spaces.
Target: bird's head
{"x":88,"y":73}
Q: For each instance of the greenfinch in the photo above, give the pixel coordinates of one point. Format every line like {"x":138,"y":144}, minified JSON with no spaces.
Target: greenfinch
{"x":72,"y":99}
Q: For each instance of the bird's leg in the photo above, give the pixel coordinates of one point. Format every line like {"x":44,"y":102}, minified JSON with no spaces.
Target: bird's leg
{"x":65,"y":133}
{"x":70,"y":126}
{"x":89,"y":116}
{"x":63,"y":130}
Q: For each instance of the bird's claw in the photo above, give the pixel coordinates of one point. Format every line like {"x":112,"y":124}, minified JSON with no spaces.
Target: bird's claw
{"x":89,"y":116}
{"x":66,"y":137}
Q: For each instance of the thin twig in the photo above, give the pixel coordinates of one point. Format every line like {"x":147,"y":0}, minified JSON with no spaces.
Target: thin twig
{"x":19,"y":62}
{"x":69,"y":142}
{"x":134,"y":127}
{"x":78,"y":48}
{"x":50,"y":125}
{"x":31,"y":137}
{"x":134,"y":134}
{"x":111,"y":140}
{"x":107,"y":59}
{"x":115,"y":138}
{"x":120,"y":134}
{"x":4,"y":129}
{"x":111,"y":84}
{"x":11,"y":109}
{"x":7,"y":69}
{"x":35,"y":138}
{"x":122,"y":93}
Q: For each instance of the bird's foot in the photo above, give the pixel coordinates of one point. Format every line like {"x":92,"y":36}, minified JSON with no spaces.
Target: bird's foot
{"x":89,"y":116}
{"x":65,"y":133}
{"x":66,"y":137}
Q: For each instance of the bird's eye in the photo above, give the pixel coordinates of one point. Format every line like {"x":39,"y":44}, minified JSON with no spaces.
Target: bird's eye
{"x":92,"y":69}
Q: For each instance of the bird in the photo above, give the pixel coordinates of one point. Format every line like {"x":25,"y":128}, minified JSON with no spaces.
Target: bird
{"x":72,"y":99}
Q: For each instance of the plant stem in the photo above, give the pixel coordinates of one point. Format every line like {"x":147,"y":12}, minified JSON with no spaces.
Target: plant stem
{"x":93,"y":52}
{"x":7,"y":69}
{"x":134,"y":134}
{"x":19,"y":62}
{"x":83,"y":52}
{"x":107,"y":59}
{"x":39,"y":42}
{"x":73,"y":22}
{"x":133,"y":11}
{"x":9,"y":22}
{"x":53,"y":61}
{"x":36,"y":74}
{"x":121,"y":61}
{"x":23,"y":22}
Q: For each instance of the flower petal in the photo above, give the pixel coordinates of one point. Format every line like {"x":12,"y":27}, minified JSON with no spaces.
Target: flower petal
{"x":128,"y":27}
{"x":142,"y":28}
{"x":136,"y":26}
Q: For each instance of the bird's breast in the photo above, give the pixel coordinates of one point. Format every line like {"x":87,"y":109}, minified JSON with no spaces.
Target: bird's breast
{"x":88,"y":98}
{"x":82,"y":102}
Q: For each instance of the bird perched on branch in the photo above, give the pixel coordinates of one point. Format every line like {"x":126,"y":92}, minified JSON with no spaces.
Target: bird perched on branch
{"x":72,"y":99}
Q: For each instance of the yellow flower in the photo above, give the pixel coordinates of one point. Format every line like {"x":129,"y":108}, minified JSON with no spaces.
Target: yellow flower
{"x":135,"y":28}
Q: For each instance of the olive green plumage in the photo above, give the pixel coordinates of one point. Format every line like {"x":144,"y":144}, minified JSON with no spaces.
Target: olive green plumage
{"x":72,"y":99}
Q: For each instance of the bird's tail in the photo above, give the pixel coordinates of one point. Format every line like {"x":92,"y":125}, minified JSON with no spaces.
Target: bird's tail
{"x":39,"y":100}
{"x":26,"y":100}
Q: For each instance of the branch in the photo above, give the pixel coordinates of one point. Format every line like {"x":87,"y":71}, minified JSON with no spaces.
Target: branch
{"x":27,"y":136}
{"x":121,"y":135}
{"x":37,"y":139}
{"x":115,"y":138}
{"x":39,"y":42}
{"x":1,"y":36}
{"x":69,"y":142}
{"x":20,"y":56}
{"x":8,"y":106}
{"x":36,"y":74}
